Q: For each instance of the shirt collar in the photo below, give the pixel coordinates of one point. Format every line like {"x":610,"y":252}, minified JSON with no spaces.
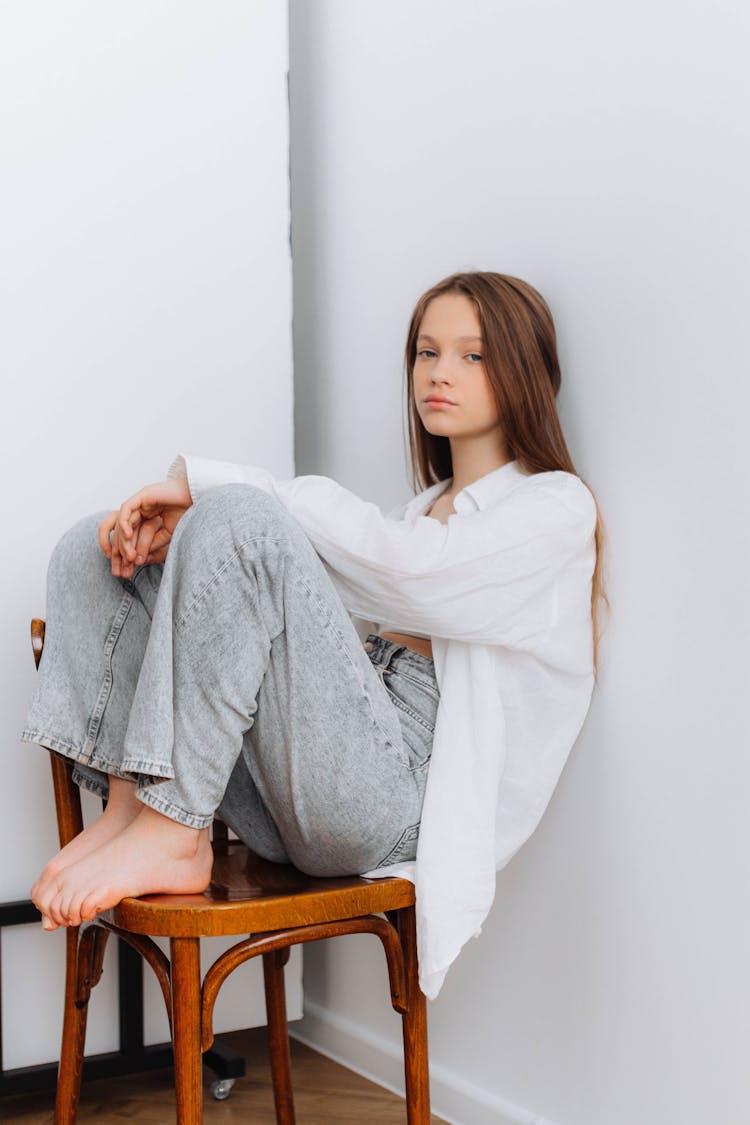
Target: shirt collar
{"x":490,"y":488}
{"x":481,"y":493}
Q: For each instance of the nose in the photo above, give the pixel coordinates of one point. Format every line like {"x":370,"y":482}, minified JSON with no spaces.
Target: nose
{"x":441,"y":371}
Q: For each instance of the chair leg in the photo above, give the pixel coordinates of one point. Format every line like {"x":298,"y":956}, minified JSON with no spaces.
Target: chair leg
{"x":278,"y":1035}
{"x":186,"y":1029}
{"x":73,"y":1039}
{"x":416,"y":1065}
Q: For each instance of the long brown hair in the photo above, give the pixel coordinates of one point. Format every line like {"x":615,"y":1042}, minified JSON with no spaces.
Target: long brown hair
{"x":523,"y":370}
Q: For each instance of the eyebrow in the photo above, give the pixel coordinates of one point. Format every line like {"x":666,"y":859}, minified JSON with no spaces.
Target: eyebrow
{"x":459,"y":339}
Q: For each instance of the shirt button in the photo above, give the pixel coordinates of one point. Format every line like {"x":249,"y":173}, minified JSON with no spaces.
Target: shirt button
{"x":369,"y":646}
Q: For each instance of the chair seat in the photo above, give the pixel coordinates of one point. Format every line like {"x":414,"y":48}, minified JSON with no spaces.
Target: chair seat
{"x":248,"y":894}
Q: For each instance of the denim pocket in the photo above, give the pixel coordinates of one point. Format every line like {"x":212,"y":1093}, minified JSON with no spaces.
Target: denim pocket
{"x":416,"y":703}
{"x":422,"y":681}
{"x":414,"y":696}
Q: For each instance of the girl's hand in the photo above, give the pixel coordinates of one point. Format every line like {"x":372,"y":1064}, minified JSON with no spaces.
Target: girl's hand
{"x":142,"y":528}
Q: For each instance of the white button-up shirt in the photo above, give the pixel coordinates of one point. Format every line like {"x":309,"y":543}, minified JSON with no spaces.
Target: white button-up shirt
{"x":503,"y":589}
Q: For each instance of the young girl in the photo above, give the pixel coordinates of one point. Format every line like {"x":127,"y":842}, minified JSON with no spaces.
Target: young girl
{"x":201,"y":658}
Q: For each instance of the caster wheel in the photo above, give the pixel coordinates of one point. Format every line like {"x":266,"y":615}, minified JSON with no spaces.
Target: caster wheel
{"x":222,"y":1088}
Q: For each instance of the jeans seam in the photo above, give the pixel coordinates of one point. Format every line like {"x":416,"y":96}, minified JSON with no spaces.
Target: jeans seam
{"x":200,"y":596}
{"x":420,"y":683}
{"x":410,"y":711}
{"x":405,"y":837}
{"x":174,"y":812}
{"x":330,"y":623}
{"x":413,"y":767}
{"x":111,"y":769}
{"x":95,"y":721}
{"x":58,"y":745}
{"x":146,"y":766}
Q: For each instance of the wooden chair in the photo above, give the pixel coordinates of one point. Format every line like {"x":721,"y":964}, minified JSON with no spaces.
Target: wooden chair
{"x":278,"y":906}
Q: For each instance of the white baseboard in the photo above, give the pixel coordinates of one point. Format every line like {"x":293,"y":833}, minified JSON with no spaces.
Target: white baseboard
{"x":455,"y":1100}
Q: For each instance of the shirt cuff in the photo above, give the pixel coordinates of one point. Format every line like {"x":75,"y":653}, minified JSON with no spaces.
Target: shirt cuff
{"x":177,"y":469}
{"x":203,"y":473}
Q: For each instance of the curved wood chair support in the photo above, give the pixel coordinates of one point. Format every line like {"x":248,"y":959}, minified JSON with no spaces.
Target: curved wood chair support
{"x":92,"y":942}
{"x":283,"y":939}
{"x":282,"y":956}
{"x":150,"y":952}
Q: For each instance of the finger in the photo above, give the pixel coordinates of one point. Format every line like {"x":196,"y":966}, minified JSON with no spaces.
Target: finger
{"x":127,"y":568}
{"x":127,"y":526}
{"x":144,"y":540}
{"x":158,"y":556}
{"x":105,"y":529}
{"x":127,"y":565}
{"x":131,"y":515}
{"x":161,"y":540}
{"x":116,"y":556}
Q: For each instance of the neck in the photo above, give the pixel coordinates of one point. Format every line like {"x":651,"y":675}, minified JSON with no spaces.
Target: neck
{"x":475,"y":458}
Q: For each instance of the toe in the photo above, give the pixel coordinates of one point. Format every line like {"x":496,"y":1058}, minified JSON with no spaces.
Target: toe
{"x":71,"y":909}
{"x":54,"y":910}
{"x":43,"y":900}
{"x":91,"y":905}
{"x":48,"y":878}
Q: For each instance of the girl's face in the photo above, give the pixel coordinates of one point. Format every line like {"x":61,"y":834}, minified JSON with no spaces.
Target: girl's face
{"x":449,"y":364}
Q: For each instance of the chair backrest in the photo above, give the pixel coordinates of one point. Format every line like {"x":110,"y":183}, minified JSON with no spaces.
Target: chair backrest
{"x":67,"y":796}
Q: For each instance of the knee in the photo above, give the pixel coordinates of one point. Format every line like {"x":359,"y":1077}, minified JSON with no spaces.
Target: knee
{"x":79,"y":547}
{"x":240,"y":510}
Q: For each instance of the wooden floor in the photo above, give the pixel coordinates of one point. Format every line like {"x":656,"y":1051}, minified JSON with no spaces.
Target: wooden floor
{"x":324,"y":1093}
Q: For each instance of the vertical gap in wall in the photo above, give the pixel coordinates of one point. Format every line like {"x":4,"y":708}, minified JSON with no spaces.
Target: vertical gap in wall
{"x":309,"y":446}
{"x":289,"y":21}
{"x":291,"y":243}
{"x":1,"y":1001}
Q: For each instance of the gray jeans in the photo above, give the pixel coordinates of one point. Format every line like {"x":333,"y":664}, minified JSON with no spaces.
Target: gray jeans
{"x":230,"y":680}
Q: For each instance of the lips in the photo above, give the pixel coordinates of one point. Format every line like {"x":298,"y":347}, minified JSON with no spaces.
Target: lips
{"x":440,"y":398}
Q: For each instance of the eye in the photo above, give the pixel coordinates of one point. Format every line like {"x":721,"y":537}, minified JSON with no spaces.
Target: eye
{"x":426,"y":353}
{"x":475,"y":357}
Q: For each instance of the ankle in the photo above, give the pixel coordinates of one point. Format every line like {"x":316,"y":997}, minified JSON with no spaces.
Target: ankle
{"x":190,"y":841}
{"x":122,"y":802}
{"x":183,"y":840}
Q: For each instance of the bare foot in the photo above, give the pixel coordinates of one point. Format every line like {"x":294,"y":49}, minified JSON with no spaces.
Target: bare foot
{"x":153,"y":854}
{"x":122,"y":808}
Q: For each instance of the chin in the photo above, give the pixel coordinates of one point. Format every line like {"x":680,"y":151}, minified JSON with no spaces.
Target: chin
{"x":437,"y":425}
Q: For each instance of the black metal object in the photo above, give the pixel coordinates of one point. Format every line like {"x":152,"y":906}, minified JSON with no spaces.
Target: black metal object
{"x":133,"y":1056}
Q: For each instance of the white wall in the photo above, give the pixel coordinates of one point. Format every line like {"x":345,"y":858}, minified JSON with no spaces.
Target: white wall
{"x":145,"y":307}
{"x":600,"y":152}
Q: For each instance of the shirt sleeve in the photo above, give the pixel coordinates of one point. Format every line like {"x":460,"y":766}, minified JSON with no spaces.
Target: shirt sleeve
{"x":485,"y":577}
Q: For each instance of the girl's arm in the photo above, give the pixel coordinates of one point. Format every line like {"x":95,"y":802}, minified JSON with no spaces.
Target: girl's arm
{"x":485,"y":577}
